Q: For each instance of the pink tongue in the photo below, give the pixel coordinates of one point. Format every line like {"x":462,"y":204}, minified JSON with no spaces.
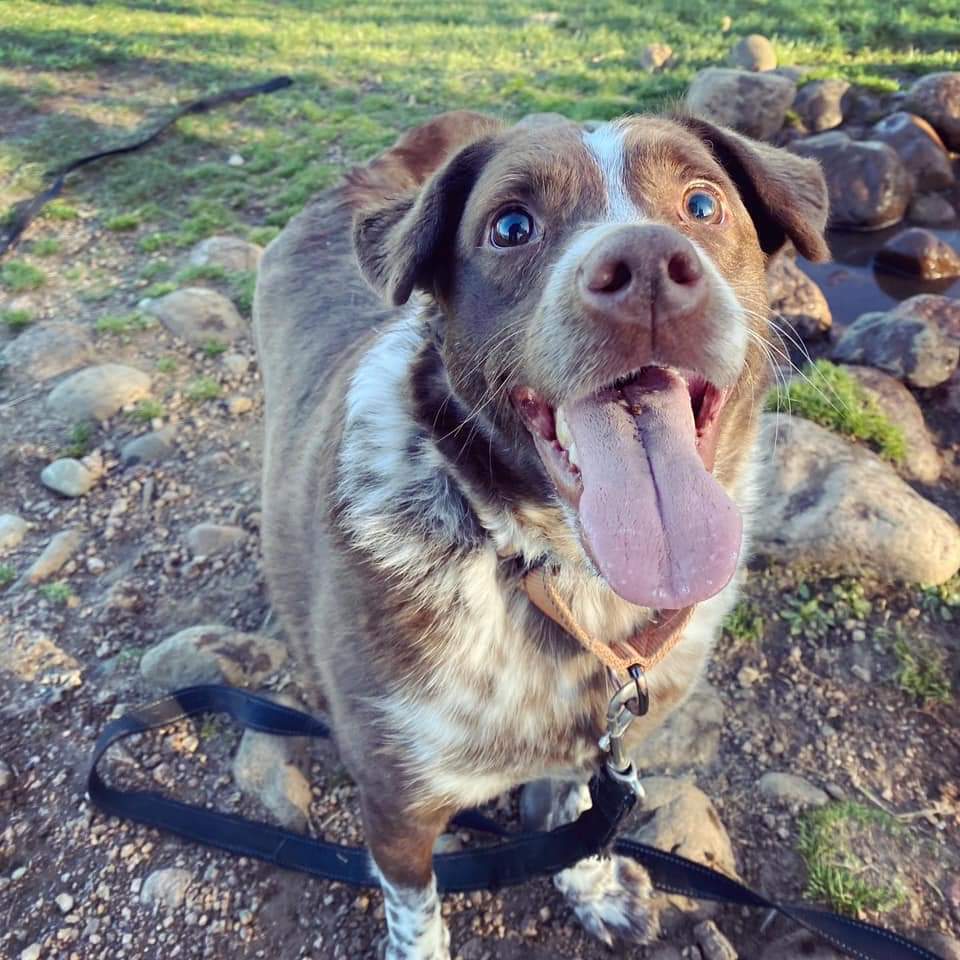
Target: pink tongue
{"x":660,"y":528}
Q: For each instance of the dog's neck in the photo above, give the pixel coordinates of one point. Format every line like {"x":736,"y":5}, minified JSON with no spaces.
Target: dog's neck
{"x":414,"y":496}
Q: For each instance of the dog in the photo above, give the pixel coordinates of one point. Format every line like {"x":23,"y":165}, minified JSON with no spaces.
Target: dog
{"x":496,"y":351}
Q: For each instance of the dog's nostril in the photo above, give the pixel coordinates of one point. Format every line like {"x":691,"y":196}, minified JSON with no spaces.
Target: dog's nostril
{"x":684,"y":269}
{"x":611,"y":278}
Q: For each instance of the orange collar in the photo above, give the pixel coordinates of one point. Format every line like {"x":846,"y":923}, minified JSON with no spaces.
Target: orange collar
{"x":644,"y":649}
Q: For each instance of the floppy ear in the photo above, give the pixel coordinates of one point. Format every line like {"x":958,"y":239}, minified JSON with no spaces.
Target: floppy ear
{"x":785,"y":194}
{"x":402,"y":244}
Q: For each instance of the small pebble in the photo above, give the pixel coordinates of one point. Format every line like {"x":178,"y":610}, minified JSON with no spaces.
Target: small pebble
{"x":64,"y":902}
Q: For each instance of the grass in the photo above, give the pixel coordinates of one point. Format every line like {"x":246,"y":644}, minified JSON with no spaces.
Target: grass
{"x":205,"y":271}
{"x":19,"y":277}
{"x":167,"y":365}
{"x":156,"y":290}
{"x":836,"y":843}
{"x":213,"y":348}
{"x":123,"y":222}
{"x":921,"y":669}
{"x":16,"y":319}
{"x":7,"y":574}
{"x":45,"y":247}
{"x":147,"y":410}
{"x":203,"y":389}
{"x":814,"y":613}
{"x":829,"y":395}
{"x":80,"y":441}
{"x":745,"y":624}
{"x":942,"y":601}
{"x":121,"y":325}
{"x":58,"y":592}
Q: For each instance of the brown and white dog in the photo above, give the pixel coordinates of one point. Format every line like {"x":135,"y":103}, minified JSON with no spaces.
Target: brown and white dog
{"x":569,"y":370}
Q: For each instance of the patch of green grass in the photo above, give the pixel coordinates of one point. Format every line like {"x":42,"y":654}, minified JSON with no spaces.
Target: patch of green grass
{"x":80,"y":440}
{"x":58,"y":592}
{"x":167,"y":365}
{"x":201,"y":271}
{"x":45,"y":247}
{"x":18,"y":276}
{"x":921,"y":668}
{"x":147,"y":410}
{"x":262,"y":235}
{"x":836,"y":842}
{"x":814,"y":612}
{"x":202,"y":389}
{"x":155,"y":269}
{"x":7,"y":574}
{"x":16,"y":319}
{"x":744,"y":624}
{"x":242,"y":285}
{"x":161,"y":240}
{"x":942,"y":600}
{"x":121,"y":324}
{"x":124,"y":222}
{"x":157,"y":290}
{"x":213,"y":348}
{"x":827,"y":394}
{"x":58,"y":210}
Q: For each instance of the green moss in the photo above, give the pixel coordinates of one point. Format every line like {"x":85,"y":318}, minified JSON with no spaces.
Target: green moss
{"x":827,"y":394}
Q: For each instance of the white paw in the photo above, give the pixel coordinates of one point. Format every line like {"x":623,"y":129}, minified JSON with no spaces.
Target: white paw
{"x":611,"y":897}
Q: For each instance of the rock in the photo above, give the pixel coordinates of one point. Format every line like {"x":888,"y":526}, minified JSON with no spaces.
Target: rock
{"x":838,"y":507}
{"x":149,"y":448}
{"x":862,"y":107}
{"x":869,"y":187}
{"x":211,"y":654}
{"x":919,"y":147}
{"x":713,"y":944}
{"x":64,"y":902}
{"x":747,"y":676}
{"x":919,"y":253}
{"x":30,"y":953}
{"x":910,"y":347}
{"x":684,"y":821}
{"x":930,"y":308}
{"x":238,"y":404}
{"x":198,"y":315}
{"x":166,"y":888}
{"x":209,"y":539}
{"x":265,"y":769}
{"x":12,"y":531}
{"x":818,"y":104}
{"x":797,"y":299}
{"x":6,"y":776}
{"x":690,"y":737}
{"x":801,"y":945}
{"x":46,"y":350}
{"x":96,"y":393}
{"x":897,"y":403}
{"x":536,"y":799}
{"x":754,"y":52}
{"x":936,"y":97}
{"x":68,"y":477}
{"x":753,"y":103}
{"x":789,"y":789}
{"x":236,"y":364}
{"x":230,"y":253}
{"x":654,"y":56}
{"x":931,"y":209}
{"x":665,"y":951}
{"x":55,"y":555}
{"x":235,"y":160}
{"x":941,"y":944}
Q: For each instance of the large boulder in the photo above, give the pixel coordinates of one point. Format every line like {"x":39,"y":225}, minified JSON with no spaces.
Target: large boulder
{"x":797,"y":299}
{"x":919,"y":253}
{"x":869,"y":186}
{"x":919,"y":147}
{"x":199,"y":315}
{"x":753,"y":103}
{"x":818,"y":104}
{"x":904,"y":342}
{"x":46,"y":350}
{"x":754,"y":52}
{"x":97,"y":393}
{"x":936,"y":97}
{"x":836,"y":506}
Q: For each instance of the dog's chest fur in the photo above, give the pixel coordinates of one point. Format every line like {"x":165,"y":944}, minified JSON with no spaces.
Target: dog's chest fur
{"x":490,"y":694}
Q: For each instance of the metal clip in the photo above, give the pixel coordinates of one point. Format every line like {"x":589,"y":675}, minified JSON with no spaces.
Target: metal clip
{"x":619,"y":718}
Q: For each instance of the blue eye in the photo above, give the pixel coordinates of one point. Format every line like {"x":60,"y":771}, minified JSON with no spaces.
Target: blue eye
{"x":512,"y":228}
{"x":702,"y":206}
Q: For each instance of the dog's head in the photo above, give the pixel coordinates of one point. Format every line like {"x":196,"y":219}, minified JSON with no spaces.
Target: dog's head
{"x":601,"y":308}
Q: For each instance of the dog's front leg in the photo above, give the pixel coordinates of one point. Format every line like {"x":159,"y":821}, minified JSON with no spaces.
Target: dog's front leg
{"x":611,"y":896}
{"x":401,"y":844}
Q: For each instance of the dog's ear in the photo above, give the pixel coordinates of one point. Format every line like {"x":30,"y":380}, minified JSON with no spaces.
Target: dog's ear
{"x":786,"y":195}
{"x":409,"y":201}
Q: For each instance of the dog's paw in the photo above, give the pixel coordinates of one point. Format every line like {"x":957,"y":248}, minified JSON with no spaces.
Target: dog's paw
{"x":611,"y":897}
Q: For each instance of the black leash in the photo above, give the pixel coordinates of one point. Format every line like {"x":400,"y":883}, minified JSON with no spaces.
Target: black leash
{"x":25,"y":212}
{"x":518,"y":858}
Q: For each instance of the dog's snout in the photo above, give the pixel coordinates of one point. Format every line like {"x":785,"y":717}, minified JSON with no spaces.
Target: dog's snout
{"x":642,"y":274}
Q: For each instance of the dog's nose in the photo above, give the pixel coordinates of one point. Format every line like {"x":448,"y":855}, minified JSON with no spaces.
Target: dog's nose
{"x":642,"y":274}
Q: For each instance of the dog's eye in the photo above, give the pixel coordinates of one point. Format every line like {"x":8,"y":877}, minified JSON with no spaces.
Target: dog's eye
{"x":702,"y":205}
{"x":512,"y":228}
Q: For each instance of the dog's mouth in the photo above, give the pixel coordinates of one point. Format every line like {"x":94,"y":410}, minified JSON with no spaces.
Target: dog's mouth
{"x":635,"y":461}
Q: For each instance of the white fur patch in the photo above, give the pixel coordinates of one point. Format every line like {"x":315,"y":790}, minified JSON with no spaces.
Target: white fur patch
{"x":606,"y":146}
{"x":415,"y":927}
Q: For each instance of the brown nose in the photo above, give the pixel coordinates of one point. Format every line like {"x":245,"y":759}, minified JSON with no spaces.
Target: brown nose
{"x":642,"y":274}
